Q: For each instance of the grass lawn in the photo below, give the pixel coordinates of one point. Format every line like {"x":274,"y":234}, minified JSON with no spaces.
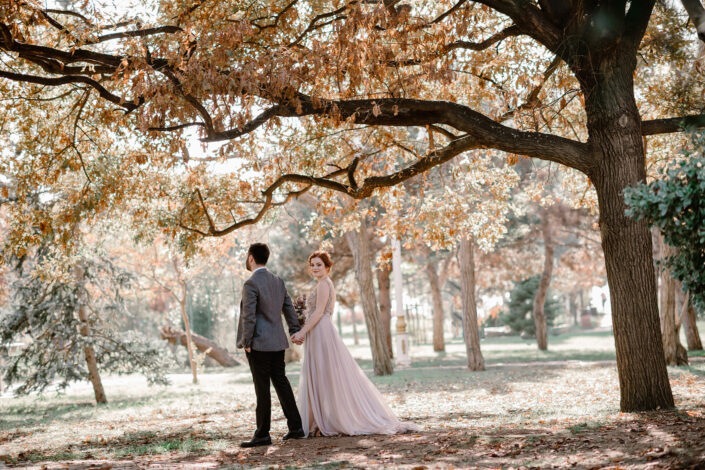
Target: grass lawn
{"x":528,"y":409}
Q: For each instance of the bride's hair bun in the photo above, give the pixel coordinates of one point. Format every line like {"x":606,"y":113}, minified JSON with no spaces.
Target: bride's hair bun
{"x":323,"y":256}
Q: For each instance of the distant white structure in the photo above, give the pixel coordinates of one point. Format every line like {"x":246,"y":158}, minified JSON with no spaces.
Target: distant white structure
{"x":402,"y":337}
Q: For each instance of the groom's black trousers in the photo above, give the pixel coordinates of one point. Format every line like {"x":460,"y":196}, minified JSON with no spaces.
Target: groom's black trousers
{"x":269,"y":366}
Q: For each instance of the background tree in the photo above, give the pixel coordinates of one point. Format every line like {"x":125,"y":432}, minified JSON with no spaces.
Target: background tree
{"x":72,"y":318}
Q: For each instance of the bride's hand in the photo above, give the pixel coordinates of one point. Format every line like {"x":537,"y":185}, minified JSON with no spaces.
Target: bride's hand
{"x":297,"y":338}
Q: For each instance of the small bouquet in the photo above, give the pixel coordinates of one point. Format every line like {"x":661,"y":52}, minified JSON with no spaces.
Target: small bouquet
{"x":300,"y":308}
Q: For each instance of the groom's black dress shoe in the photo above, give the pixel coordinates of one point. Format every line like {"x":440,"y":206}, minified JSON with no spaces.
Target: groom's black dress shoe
{"x":257,"y":441}
{"x":297,"y":434}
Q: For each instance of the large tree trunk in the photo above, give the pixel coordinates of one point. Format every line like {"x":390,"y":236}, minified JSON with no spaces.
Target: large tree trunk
{"x":542,"y":291}
{"x":466,"y":262}
{"x":359,"y":245}
{"x":615,"y":139}
{"x":438,"y":313}
{"x":211,"y":348}
{"x":88,"y":351}
{"x":385,"y":303}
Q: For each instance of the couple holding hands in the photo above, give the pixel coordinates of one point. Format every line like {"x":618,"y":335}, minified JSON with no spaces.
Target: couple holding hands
{"x":335,"y":395}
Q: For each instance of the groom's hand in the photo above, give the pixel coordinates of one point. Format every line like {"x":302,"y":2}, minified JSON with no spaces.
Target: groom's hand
{"x":247,"y":350}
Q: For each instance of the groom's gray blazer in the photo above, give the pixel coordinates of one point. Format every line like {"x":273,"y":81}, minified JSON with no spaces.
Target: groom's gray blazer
{"x":260,"y":327}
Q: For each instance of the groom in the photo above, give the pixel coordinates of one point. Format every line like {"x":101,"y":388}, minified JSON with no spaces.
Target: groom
{"x":261,"y":333}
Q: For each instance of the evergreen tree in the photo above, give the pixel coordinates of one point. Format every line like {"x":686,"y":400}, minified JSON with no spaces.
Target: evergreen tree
{"x":519,"y":316}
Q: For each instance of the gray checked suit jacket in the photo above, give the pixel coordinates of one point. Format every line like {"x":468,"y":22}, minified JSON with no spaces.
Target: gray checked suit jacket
{"x":264,"y":299}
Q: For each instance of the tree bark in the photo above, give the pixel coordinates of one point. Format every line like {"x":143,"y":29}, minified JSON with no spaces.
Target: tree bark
{"x":359,"y":245}
{"x":88,"y":351}
{"x":615,"y":139}
{"x":573,"y":308}
{"x":214,"y":351}
{"x":466,"y":262}
{"x":438,"y":313}
{"x":673,"y":350}
{"x":91,"y":362}
{"x":353,"y":318}
{"x":385,"y":303}
{"x":692,"y":336}
{"x":544,"y":282}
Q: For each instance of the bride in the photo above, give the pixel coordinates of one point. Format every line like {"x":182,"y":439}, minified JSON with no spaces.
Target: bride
{"x":335,"y":395}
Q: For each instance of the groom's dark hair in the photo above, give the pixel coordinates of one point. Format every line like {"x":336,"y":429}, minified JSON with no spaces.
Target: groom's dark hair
{"x":260,"y":252}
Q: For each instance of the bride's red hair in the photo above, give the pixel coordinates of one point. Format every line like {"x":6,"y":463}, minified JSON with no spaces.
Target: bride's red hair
{"x":323,"y":256}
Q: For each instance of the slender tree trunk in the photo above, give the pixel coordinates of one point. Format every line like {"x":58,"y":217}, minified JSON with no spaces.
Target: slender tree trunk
{"x":466,"y":262}
{"x":340,"y":323}
{"x":615,"y":139}
{"x":187,"y":329}
{"x":692,"y":336}
{"x":573,"y":307}
{"x":385,"y":303}
{"x":438,"y":313}
{"x":359,"y":245}
{"x":353,"y":318}
{"x":542,"y":291}
{"x":88,"y":351}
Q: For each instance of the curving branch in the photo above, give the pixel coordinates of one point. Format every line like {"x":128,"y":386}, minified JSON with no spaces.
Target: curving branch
{"x":246,"y":129}
{"x":314,"y":23}
{"x":371,"y":183}
{"x":512,"y":30}
{"x":448,"y":12}
{"x":57,"y":81}
{"x":139,"y":33}
{"x":277,"y":17}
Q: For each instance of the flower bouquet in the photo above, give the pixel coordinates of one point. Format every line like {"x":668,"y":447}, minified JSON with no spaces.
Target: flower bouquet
{"x":300,"y":308}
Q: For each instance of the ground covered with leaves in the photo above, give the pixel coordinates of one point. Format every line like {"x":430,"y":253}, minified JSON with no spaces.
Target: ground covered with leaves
{"x":528,"y":410}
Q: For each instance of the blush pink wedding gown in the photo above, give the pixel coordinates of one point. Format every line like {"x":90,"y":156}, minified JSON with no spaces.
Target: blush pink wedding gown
{"x":335,"y":395}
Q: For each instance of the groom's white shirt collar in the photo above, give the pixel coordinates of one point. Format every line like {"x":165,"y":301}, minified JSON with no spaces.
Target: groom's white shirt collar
{"x":261,"y":267}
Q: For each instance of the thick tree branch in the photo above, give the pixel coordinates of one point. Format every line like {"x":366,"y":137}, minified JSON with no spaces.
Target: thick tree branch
{"x":670,"y":125}
{"x":530,"y":19}
{"x":696,"y":12}
{"x":636,"y":21}
{"x":411,"y":112}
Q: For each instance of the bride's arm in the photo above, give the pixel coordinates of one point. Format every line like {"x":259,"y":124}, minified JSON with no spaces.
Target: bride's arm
{"x":322,"y":295}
